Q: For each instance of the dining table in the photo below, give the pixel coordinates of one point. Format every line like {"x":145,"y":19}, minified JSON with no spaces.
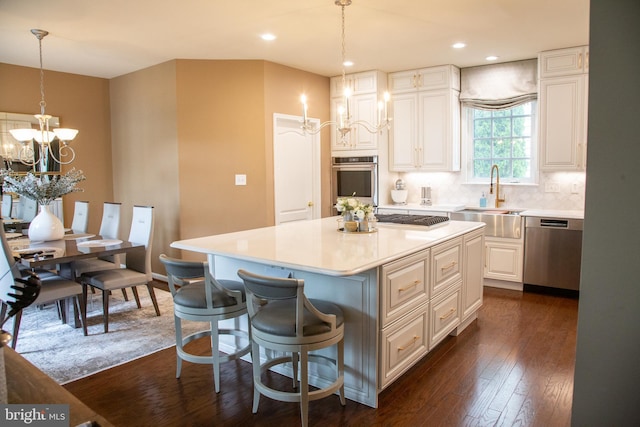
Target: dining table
{"x":61,"y":255}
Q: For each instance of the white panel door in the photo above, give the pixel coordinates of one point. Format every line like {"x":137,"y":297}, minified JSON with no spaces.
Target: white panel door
{"x":296,"y":168}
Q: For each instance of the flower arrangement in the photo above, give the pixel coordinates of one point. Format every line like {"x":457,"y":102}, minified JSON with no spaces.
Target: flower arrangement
{"x":44,"y":189}
{"x":352,"y":207}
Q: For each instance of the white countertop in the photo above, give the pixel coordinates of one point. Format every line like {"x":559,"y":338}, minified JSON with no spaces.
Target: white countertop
{"x":549,"y":213}
{"x":318,"y":246}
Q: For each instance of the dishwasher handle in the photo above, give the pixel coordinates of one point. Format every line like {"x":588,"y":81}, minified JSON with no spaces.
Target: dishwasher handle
{"x":554,"y":223}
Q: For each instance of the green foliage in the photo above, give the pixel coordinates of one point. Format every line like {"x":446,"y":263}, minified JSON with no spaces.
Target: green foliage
{"x":44,"y":189}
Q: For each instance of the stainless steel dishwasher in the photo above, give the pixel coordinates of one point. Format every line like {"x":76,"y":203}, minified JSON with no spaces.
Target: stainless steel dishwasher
{"x":552,"y":252}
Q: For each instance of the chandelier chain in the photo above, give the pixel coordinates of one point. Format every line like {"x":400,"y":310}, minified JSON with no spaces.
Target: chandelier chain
{"x":344,"y":49}
{"x":43,"y":104}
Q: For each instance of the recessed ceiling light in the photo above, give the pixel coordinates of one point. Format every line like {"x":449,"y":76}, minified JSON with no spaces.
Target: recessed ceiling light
{"x":268,"y":37}
{"x":458,"y":45}
{"x":491,"y":58}
{"x":348,"y":63}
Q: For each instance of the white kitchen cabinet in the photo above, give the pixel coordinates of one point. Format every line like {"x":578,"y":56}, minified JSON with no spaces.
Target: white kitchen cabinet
{"x":425,"y":107}
{"x":503,"y":259}
{"x":472,"y":283}
{"x":563,"y":97}
{"x":445,"y":314}
{"x":563,"y":62}
{"x":367,"y":89}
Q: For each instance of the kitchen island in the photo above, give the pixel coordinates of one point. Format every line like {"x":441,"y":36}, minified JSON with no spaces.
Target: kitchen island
{"x":402,"y":288}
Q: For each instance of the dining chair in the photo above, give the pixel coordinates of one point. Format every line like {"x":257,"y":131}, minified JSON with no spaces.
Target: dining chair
{"x":199,"y":297}
{"x":53,"y":289}
{"x":109,"y":227}
{"x":80,"y":217}
{"x":137,"y":270}
{"x":7,"y":205}
{"x":29,"y":209}
{"x":283,"y":320}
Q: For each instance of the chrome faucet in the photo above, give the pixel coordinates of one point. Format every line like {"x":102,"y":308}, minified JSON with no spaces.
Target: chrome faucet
{"x":498,"y":199}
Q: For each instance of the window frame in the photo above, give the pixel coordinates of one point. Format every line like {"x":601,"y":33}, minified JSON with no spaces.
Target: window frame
{"x":467,"y":130}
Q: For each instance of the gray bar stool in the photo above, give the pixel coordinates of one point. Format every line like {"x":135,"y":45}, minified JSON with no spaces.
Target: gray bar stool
{"x":197,"y":296}
{"x":284,"y":320}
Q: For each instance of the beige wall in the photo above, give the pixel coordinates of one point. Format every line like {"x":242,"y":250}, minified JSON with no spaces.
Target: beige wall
{"x":145,"y":147}
{"x":81,"y":102}
{"x":199,"y":123}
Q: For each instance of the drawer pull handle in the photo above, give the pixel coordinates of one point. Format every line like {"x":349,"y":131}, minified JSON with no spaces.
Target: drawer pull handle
{"x":412,"y":285}
{"x":413,"y":341}
{"x":448,"y":266}
{"x":453,"y":310}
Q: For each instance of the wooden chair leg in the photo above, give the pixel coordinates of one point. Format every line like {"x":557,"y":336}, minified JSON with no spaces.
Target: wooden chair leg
{"x":154,"y":300}
{"x":16,"y":327}
{"x":105,"y":310}
{"x":124,"y":294}
{"x":83,"y":309}
{"x":136,"y":296}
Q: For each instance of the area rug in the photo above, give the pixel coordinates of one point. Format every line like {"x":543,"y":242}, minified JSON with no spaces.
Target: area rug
{"x":65,"y":354}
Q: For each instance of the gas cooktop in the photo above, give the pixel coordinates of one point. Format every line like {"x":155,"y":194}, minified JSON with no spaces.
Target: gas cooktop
{"x":424,"y":220}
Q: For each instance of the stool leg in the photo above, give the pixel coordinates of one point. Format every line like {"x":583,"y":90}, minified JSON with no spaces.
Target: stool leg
{"x":341,"y":369}
{"x":255,"y":361}
{"x":294,"y":361}
{"x":304,"y":387}
{"x":215,"y":354}
{"x":178,"y":323}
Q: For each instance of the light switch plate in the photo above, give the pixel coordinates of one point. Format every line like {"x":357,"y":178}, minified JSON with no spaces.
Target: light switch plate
{"x":241,"y":179}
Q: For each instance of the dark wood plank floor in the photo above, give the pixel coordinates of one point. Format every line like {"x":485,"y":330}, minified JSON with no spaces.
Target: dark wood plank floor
{"x":513,"y":367}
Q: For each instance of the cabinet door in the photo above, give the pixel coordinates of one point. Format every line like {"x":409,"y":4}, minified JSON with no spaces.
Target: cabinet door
{"x":403,"y":134}
{"x":439,"y":131}
{"x":503,"y":260}
{"x":365,"y":107}
{"x":563,"y":62}
{"x":563,"y":123}
{"x":403,"y":82}
{"x":472,"y":283}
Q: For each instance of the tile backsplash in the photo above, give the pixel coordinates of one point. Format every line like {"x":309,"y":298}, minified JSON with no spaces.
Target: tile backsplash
{"x":450,"y":188}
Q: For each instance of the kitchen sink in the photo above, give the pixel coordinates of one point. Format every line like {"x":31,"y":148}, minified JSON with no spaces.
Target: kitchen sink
{"x":500,"y":222}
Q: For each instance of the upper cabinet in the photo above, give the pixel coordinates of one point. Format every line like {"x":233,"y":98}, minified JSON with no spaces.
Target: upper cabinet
{"x":367,"y":88}
{"x":425,"y":131}
{"x":563,"y":99}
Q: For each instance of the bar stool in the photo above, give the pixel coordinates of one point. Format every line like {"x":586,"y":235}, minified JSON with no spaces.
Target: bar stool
{"x":284,"y":320}
{"x":197,"y":296}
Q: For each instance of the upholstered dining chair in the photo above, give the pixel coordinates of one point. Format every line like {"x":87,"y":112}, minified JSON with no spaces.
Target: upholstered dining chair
{"x":54,"y":289}
{"x":109,"y":227}
{"x":137,"y":270}
{"x":283,"y":320}
{"x":199,"y":297}
{"x":80,"y":221}
{"x":7,"y":205}
{"x":29,"y":209}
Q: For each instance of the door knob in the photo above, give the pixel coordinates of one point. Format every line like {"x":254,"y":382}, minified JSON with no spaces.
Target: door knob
{"x":309,"y":204}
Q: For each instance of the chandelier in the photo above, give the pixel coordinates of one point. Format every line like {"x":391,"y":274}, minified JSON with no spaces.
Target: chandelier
{"x":344,"y":122}
{"x":43,"y":139}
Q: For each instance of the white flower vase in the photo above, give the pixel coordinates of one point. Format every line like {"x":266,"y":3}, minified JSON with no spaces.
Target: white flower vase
{"x":46,"y":226}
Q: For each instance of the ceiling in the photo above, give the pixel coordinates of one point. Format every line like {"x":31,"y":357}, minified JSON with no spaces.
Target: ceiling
{"x":111,"y":38}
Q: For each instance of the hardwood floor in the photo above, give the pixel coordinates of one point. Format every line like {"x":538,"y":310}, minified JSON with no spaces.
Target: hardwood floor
{"x":512,"y":367}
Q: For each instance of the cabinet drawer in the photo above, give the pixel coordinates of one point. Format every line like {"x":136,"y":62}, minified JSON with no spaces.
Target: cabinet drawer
{"x":447,"y":265}
{"x":445,"y":315}
{"x":403,"y":344}
{"x":404,"y":286}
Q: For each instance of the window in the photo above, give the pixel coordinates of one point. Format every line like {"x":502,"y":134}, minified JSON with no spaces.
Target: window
{"x":504,"y":137}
